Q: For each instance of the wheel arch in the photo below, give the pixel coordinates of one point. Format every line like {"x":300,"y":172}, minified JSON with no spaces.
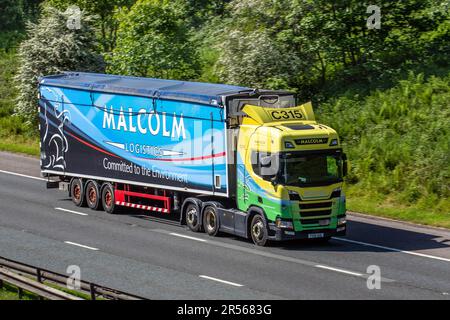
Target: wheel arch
{"x":252,"y":211}
{"x":187,"y":201}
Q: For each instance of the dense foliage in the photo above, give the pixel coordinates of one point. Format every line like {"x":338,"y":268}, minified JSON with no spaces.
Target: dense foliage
{"x":51,"y":49}
{"x":398,"y":140}
{"x":104,"y":10}
{"x":153,"y":42}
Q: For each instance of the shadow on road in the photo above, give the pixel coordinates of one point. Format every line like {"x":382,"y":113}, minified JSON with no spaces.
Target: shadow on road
{"x":402,"y":239}
{"x":386,"y":236}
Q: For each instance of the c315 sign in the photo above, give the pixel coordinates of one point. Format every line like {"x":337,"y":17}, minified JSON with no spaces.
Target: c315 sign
{"x":286,"y":115}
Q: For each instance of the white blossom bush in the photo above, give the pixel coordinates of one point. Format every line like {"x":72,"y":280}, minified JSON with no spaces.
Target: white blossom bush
{"x":255,"y":59}
{"x":51,"y":48}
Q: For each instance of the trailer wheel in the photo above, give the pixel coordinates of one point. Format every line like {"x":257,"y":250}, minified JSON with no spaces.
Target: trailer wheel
{"x":77,"y":192}
{"x":108,"y":201}
{"x":93,"y":195}
{"x":258,"y":230}
{"x":193,"y":217}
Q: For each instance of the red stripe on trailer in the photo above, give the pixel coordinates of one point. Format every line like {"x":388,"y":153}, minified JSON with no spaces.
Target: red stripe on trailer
{"x":139,"y":206}
{"x":123,"y":195}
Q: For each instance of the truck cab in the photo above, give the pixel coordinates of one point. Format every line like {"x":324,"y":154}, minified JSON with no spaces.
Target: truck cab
{"x":289,"y":171}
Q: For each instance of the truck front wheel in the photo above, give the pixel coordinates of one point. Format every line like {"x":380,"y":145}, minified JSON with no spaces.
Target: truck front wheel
{"x":258,"y":230}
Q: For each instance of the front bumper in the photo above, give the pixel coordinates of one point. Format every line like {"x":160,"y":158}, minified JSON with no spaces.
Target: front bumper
{"x":278,"y":234}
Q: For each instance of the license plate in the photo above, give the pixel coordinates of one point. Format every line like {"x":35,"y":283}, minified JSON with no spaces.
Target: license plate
{"x":315,"y":235}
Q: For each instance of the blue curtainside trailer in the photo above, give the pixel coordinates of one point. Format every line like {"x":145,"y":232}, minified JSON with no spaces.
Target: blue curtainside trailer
{"x":150,"y":132}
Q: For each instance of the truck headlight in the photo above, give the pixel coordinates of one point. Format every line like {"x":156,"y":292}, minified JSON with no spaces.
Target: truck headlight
{"x":294,"y":196}
{"x":342,"y":221}
{"x":334,"y":142}
{"x":289,"y":145}
{"x":284,"y":224}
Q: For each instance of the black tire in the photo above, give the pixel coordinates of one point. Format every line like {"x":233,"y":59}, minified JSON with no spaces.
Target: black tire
{"x":211,"y":221}
{"x":258,"y":231}
{"x":108,"y":200}
{"x":192,"y":216}
{"x":93,"y":197}
{"x":77,"y":192}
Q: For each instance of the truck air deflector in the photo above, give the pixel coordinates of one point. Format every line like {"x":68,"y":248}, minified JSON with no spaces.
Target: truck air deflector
{"x":207,"y":93}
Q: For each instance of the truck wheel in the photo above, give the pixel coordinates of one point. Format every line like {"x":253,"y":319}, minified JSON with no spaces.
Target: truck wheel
{"x":211,"y":222}
{"x":77,"y":192}
{"x":93,"y":195}
{"x":258,"y":230}
{"x":108,"y":201}
{"x":193,"y":217}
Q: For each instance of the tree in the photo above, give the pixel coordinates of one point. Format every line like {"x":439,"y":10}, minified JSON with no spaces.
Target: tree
{"x":31,"y":9}
{"x":51,"y":48}
{"x":11,"y":23}
{"x":332,"y":41}
{"x":105,"y":10}
{"x":256,"y":59}
{"x":256,"y":46}
{"x":153,"y":41}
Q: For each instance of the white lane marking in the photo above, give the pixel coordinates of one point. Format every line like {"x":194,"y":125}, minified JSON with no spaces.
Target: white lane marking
{"x":187,"y":237}
{"x":22,"y":175}
{"x":339,"y":270}
{"x":222,"y":281}
{"x":259,"y":252}
{"x":393,"y":249}
{"x":80,"y":245}
{"x":71,"y":211}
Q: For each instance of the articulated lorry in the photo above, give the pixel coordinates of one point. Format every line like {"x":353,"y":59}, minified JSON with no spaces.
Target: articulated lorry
{"x":223,"y":158}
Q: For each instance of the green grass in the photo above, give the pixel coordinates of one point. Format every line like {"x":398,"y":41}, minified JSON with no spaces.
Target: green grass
{"x":9,"y":292}
{"x":19,"y":144}
{"x":398,"y":144}
{"x":15,"y":134}
{"x":16,"y":137}
{"x":435,"y":213}
{"x":75,"y":293}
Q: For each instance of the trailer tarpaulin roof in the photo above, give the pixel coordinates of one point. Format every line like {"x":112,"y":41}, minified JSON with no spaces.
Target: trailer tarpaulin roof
{"x":207,"y":93}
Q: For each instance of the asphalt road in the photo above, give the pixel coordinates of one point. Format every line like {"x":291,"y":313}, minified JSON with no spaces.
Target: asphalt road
{"x":161,"y":260}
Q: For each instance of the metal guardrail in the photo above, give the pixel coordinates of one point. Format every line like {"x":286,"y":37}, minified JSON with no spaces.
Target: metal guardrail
{"x":15,"y":273}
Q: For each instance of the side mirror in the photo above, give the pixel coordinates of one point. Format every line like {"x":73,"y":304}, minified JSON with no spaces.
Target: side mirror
{"x":266,"y":161}
{"x":274,"y":181}
{"x":345,"y":167}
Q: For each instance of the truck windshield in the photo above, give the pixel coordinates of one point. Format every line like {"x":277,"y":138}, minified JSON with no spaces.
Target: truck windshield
{"x":309,"y":169}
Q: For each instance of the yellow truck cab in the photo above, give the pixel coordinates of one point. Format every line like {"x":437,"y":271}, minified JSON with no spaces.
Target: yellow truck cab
{"x":290,"y":172}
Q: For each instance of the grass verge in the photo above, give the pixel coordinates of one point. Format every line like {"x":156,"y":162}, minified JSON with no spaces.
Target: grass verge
{"x":431,"y":211}
{"x":9,"y":292}
{"x":20,"y":145}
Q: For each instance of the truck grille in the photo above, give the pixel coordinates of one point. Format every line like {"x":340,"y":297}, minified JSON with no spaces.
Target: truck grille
{"x":316,"y":209}
{"x":305,"y":205}
{"x":321,"y":222}
{"x":315,"y":213}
